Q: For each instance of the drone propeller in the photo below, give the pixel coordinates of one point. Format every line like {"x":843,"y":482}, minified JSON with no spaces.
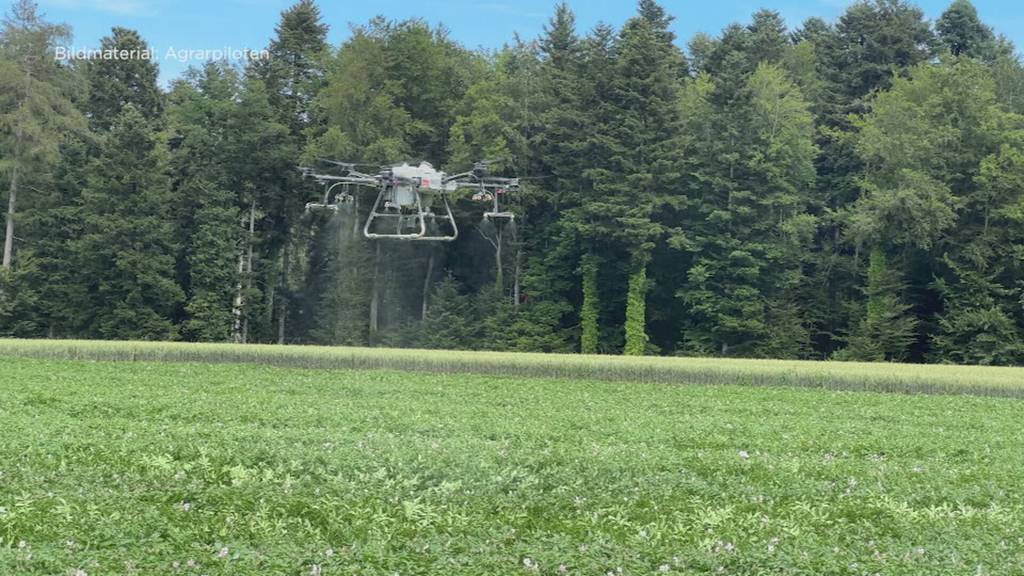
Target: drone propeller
{"x":351,"y":166}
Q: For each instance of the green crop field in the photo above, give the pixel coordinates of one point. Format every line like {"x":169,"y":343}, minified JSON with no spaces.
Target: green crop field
{"x":904,"y":378}
{"x":191,"y":468}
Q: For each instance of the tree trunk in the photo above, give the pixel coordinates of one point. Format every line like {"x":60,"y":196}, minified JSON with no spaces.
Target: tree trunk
{"x":375,"y":296}
{"x":282,"y":298}
{"x":355,"y":217}
{"x":515,"y":278}
{"x":236,"y":308}
{"x":426,"y":284}
{"x":499,"y":272}
{"x":245,"y":279}
{"x":636,"y":311}
{"x":11,"y":206}
{"x":248,"y":266}
{"x":590,"y":310}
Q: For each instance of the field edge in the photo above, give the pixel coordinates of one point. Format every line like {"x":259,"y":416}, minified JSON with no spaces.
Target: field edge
{"x":880,"y":377}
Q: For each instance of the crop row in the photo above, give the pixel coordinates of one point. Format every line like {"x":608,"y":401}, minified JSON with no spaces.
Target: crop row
{"x":878,"y":377}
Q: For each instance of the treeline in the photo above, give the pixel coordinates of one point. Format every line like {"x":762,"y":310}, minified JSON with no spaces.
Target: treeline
{"x":849,"y":190}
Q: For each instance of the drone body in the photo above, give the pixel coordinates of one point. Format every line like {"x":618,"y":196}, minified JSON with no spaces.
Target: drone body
{"x":407,"y":196}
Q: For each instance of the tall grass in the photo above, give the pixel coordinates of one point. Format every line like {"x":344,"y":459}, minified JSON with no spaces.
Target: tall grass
{"x":878,"y":377}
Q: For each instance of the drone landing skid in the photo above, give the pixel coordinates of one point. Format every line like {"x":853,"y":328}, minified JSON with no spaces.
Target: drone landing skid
{"x":343,"y":198}
{"x":416,"y":221}
{"x":500,"y":216}
{"x":315,"y":207}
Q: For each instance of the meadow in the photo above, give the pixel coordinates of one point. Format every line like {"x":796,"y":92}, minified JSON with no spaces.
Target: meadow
{"x":190,"y":468}
{"x":877,"y":377}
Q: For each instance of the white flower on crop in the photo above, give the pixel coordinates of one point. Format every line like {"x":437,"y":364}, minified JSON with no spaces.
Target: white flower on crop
{"x":562,"y":569}
{"x":530,"y":564}
{"x":314,"y":570}
{"x":80,"y":572}
{"x":329,"y":552}
{"x":22,"y":544}
{"x":664,"y":568}
{"x":919,"y":550}
{"x":186,"y":506}
{"x":175,"y":564}
{"x":191,"y":563}
{"x":744,"y":454}
{"x":223,"y":552}
{"x":722,"y":546}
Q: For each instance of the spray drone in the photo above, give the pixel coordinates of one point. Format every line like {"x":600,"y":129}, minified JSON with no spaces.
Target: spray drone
{"x":412,"y":200}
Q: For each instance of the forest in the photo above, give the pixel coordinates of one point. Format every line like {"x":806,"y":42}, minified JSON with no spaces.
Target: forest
{"x":848,"y":189}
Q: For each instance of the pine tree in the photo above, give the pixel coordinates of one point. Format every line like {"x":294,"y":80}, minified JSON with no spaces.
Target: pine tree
{"x":34,"y":105}
{"x":640,"y":169}
{"x":874,"y":39}
{"x":259,"y":152}
{"x":293,"y":76}
{"x":204,"y":136}
{"x":748,"y":147}
{"x":294,"y":72}
{"x":887,"y":329}
{"x":115,"y":82}
{"x":553,"y":226}
{"x":126,"y":252}
{"x":591,"y":310}
{"x":451,"y":321}
{"x":982,"y":283}
{"x":963,"y":33}
{"x":977,"y":325}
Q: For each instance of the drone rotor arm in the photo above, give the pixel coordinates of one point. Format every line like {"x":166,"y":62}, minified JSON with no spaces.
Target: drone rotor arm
{"x":357,"y":179}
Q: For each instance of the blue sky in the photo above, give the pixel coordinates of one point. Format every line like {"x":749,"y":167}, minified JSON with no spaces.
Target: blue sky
{"x":241,"y":24}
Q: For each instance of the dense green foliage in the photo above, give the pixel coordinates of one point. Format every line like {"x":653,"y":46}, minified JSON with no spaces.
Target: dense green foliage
{"x":848,"y":190}
{"x":245,"y":470}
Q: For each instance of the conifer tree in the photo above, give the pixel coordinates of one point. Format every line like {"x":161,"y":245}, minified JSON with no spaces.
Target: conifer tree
{"x":557,"y":238}
{"x":204,"y":138}
{"x":127,"y":247}
{"x":293,"y":75}
{"x":748,"y":139}
{"x":963,"y":34}
{"x":887,"y":329}
{"x":115,"y":82}
{"x":34,"y":105}
{"x":640,"y":171}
